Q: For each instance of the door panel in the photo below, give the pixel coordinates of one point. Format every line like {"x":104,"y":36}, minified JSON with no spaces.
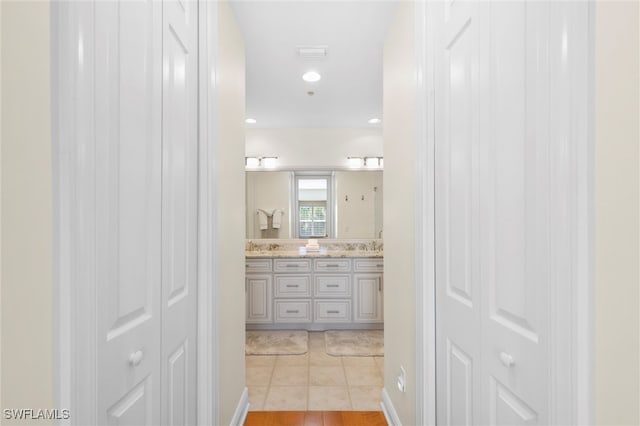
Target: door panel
{"x":128,"y":221}
{"x":179,"y":211}
{"x":459,"y":386}
{"x":457,"y":283}
{"x":492,"y":214}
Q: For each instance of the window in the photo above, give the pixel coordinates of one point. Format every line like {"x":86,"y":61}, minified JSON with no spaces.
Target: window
{"x":313,"y":203}
{"x":313,"y":219}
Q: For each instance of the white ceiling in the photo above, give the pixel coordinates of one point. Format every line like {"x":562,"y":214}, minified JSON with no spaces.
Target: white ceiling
{"x":350,"y":91}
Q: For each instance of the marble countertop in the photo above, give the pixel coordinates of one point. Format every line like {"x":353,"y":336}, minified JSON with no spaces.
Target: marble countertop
{"x":322,"y":253}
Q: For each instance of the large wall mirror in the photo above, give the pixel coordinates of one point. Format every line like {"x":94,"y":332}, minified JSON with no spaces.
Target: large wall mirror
{"x":311,"y":204}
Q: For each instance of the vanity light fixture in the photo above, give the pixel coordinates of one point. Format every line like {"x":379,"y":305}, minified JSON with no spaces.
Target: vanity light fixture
{"x":374,"y":121}
{"x":251,"y":161}
{"x":255,"y":162}
{"x":373,"y":162}
{"x":311,"y":76}
{"x":250,"y":121}
{"x":355,"y":162}
{"x":268,"y":162}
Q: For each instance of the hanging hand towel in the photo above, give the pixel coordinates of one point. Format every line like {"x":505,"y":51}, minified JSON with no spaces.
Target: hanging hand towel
{"x":277,"y":218}
{"x":262,"y":219}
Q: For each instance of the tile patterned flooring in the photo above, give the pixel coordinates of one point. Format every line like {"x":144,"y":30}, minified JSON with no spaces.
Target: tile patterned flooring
{"x":314,"y":381}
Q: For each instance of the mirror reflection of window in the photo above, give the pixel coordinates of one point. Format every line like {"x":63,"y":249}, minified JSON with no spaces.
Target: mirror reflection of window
{"x":313,"y":206}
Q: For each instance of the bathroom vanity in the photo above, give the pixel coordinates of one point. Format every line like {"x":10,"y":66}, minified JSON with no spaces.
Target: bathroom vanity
{"x":339,"y":287}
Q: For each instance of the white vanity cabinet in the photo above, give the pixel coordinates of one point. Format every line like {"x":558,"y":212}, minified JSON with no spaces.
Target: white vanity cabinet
{"x":314,"y":293}
{"x":292,"y":295}
{"x":368,"y":290}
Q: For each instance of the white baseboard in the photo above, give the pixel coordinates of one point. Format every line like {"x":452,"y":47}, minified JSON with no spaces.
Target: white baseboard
{"x":242,"y":409}
{"x":388,"y":410}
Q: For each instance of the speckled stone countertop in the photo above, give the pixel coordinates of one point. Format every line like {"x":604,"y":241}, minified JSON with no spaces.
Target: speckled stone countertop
{"x":328,"y":248}
{"x":321,"y":253}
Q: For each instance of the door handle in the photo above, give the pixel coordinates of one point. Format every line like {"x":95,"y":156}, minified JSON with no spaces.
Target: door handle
{"x":136,"y":358}
{"x":506,"y":359}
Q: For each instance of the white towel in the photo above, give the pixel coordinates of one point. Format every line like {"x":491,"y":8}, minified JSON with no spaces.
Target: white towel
{"x":277,"y":218}
{"x":262,"y":219}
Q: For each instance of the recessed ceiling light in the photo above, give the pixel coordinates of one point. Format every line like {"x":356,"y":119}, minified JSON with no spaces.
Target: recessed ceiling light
{"x":250,"y":121}
{"x":311,"y":76}
{"x":375,"y":121}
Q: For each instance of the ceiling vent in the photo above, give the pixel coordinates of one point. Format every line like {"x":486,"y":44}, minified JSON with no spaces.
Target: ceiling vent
{"x":312,"y":52}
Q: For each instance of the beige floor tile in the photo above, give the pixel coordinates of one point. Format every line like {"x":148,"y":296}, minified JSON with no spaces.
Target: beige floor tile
{"x":327,"y":376}
{"x":358,"y":361}
{"x":257,"y":395}
{"x":258,"y":376}
{"x":290,"y":376}
{"x":364,"y":376}
{"x":316,"y":339}
{"x":365,"y":398}
{"x":321,"y":358}
{"x":333,"y":398}
{"x":286,"y":398}
{"x":260,"y":360}
{"x":292,"y":360}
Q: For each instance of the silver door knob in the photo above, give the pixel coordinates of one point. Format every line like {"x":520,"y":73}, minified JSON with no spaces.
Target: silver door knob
{"x":136,"y":358}
{"x":506,"y":359}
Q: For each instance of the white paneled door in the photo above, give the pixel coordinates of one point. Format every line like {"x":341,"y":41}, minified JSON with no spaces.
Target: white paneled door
{"x":179,"y":210}
{"x":492,"y":214}
{"x":145,"y":96}
{"x":128,"y":54}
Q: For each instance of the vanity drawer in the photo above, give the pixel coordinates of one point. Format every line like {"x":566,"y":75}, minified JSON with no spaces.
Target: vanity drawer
{"x":257,"y":265}
{"x":332,"y":265}
{"x":292,"y":265}
{"x":368,"y":265}
{"x":292,"y":285}
{"x":293,"y":311}
{"x":332,"y":286}
{"x":332,"y":310}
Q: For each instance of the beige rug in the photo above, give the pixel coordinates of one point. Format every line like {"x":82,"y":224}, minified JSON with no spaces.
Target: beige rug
{"x":354,"y":342}
{"x":276,"y":342}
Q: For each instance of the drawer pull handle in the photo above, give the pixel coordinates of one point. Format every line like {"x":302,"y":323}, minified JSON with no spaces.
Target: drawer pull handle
{"x":332,"y":265}
{"x":292,"y":265}
{"x":293,"y":285}
{"x":292,"y":311}
{"x":333,"y":311}
{"x":332,"y":285}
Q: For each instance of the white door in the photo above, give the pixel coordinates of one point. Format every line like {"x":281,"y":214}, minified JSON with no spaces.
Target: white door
{"x":492,"y":214}
{"x":127,"y":86}
{"x":179,"y":211}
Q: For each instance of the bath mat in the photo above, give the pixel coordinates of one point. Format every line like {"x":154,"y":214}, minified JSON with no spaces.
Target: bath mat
{"x":276,"y":342}
{"x":354,"y":342}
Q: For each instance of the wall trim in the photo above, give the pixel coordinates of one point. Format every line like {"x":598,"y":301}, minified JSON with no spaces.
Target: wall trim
{"x":208,"y":364}
{"x":389,"y":410}
{"x":240,"y":415}
{"x":73,"y":160}
{"x":424,"y":217}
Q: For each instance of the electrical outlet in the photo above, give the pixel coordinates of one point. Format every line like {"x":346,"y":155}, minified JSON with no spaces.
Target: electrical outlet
{"x":402,"y":380}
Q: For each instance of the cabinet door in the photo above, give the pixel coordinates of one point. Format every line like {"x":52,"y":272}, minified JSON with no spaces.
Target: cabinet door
{"x":368,"y":297}
{"x":258,"y":289}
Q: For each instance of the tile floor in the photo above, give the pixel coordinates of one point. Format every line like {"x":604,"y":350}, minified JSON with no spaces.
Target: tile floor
{"x":314,"y":381}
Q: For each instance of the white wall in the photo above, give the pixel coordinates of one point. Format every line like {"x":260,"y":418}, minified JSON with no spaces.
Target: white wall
{"x":617,"y":135}
{"x":27,"y":317}
{"x":314,"y":148}
{"x":231,"y":211}
{"x":268,"y":190}
{"x":399,"y":235}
